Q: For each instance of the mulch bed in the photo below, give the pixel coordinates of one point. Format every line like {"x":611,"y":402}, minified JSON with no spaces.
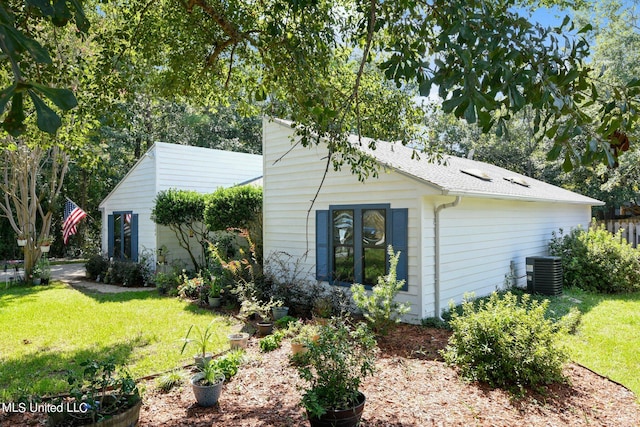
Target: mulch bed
{"x":412,"y":387}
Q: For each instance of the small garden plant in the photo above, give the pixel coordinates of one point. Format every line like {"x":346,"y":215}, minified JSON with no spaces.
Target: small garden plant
{"x":101,"y":390}
{"x":271,"y":342}
{"x":506,"y":343}
{"x":336,"y":365}
{"x":229,"y":363}
{"x":380,"y":308}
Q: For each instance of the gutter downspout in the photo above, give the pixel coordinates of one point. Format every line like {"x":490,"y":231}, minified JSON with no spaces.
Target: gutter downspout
{"x":438,"y":209}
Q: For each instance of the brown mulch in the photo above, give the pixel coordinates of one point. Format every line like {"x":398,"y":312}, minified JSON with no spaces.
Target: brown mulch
{"x":411,"y":387}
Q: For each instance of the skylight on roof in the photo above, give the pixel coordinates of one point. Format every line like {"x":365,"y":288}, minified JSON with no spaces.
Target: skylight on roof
{"x":477,"y":173}
{"x":517,"y":180}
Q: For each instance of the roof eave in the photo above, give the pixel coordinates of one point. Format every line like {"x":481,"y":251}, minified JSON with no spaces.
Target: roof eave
{"x":502,"y":196}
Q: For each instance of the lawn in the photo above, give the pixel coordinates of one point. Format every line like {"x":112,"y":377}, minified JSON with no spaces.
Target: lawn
{"x":48,"y":330}
{"x":608,"y":337}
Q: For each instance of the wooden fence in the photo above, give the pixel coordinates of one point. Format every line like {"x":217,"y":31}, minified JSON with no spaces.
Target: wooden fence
{"x":630,"y":229}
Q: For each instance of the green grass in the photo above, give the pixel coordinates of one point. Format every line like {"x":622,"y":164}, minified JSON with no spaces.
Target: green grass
{"x":608,"y":337}
{"x":48,"y":330}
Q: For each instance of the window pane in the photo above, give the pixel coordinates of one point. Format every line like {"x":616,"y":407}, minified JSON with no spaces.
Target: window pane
{"x":373,"y":265}
{"x":343,"y":227}
{"x":373,"y":227}
{"x":127,"y":235}
{"x":117,"y":236}
{"x":343,"y":264}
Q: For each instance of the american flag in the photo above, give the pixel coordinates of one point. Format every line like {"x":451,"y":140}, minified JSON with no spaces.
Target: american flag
{"x":72,"y":216}
{"x":127,"y":224}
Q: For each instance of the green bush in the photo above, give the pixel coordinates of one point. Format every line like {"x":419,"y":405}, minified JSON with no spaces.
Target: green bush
{"x":96,"y":266}
{"x":127,"y":273}
{"x":597,"y":261}
{"x":229,"y":363}
{"x":271,"y":342}
{"x":505,"y":343}
{"x":234,"y":207}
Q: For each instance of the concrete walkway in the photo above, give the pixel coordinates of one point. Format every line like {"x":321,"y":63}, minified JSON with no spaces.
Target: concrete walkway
{"x":74,"y":275}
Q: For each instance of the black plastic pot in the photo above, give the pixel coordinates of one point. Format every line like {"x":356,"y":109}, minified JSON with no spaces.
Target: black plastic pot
{"x":341,"y":418}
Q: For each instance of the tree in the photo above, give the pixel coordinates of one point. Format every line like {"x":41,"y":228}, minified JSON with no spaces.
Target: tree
{"x":26,"y":58}
{"x":486,"y":61}
{"x":316,"y":57}
{"x":183,"y":212}
{"x":31,"y":182}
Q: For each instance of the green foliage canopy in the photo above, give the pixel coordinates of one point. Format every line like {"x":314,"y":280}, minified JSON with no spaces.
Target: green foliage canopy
{"x":327,"y":64}
{"x":596,"y":260}
{"x":234,"y":207}
{"x":183,"y":212}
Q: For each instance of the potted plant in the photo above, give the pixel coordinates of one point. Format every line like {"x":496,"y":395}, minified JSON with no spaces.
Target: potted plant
{"x":99,"y":396}
{"x":322,"y":309}
{"x":334,"y":368}
{"x":215,"y":291}
{"x":262,"y":309}
{"x":306,"y":336}
{"x":201,"y":340}
{"x":164,"y":282}
{"x":278,"y":311}
{"x":162,"y":254}
{"x":207,"y":384}
{"x":36,"y":275}
{"x":45,"y":244}
{"x":22,"y":239}
{"x":44,"y":270}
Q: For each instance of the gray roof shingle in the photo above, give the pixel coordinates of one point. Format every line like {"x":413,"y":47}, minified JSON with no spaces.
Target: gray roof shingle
{"x":448,"y":177}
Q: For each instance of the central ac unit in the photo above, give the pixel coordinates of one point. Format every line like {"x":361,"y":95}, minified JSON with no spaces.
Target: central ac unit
{"x":544,"y":275}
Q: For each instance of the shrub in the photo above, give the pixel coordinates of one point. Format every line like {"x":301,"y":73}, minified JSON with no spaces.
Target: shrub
{"x":271,"y":342}
{"x":192,"y":288}
{"x":96,"y":266}
{"x":234,"y":207}
{"x":505,"y":343}
{"x":183,"y":212}
{"x":165,"y":282}
{"x":127,"y":273}
{"x":380,"y":307}
{"x":597,"y":261}
{"x":229,"y":363}
{"x":335,"y":366}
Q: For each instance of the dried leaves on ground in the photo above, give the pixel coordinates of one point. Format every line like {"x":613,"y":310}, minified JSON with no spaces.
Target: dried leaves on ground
{"x":412,"y":387}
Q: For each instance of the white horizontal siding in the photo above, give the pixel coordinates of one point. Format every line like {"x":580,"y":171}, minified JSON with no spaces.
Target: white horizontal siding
{"x":480,"y":237}
{"x":291,"y":182}
{"x":136,"y":193}
{"x":203,"y":169}
{"x":177,"y":166}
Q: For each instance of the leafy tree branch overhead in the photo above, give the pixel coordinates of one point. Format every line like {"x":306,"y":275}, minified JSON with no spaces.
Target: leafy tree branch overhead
{"x":26,"y":60}
{"x":339,"y":66}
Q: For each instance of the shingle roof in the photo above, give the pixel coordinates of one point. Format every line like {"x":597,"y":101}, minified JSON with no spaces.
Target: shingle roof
{"x":449,"y":178}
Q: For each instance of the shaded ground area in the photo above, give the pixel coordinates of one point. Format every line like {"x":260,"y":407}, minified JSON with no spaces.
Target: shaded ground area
{"x":75,"y":275}
{"x":412,"y":387}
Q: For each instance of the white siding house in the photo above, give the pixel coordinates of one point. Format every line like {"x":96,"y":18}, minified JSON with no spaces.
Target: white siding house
{"x":460,"y":224}
{"x":127,"y":228}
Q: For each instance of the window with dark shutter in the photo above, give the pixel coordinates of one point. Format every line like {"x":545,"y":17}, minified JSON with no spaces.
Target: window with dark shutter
{"x":352,"y":241}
